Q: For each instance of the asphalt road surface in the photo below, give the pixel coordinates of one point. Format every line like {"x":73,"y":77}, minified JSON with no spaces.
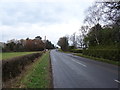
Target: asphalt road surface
{"x":70,"y":71}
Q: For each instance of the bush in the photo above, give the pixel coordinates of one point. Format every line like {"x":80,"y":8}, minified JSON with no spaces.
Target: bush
{"x":13,"y":67}
{"x":76,"y":50}
{"x":71,"y":47}
{"x":106,"y":54}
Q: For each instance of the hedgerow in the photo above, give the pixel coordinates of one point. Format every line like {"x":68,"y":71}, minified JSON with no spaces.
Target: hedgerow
{"x":13,"y":67}
{"x":113,"y":54}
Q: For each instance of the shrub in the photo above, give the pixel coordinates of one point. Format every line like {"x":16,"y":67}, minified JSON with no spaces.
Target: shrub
{"x":76,"y":50}
{"x":102,"y":53}
{"x":71,"y":47}
{"x":13,"y":67}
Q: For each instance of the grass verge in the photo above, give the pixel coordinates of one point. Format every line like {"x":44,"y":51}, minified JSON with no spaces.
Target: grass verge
{"x":39,"y":75}
{"x":99,"y":59}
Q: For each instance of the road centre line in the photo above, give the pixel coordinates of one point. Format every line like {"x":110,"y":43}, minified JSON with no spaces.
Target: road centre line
{"x":79,"y":63}
{"x":117,"y":81}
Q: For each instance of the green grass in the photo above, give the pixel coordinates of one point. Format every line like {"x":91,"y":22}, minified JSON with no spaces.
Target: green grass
{"x":99,"y":59}
{"x":38,"y":76}
{"x":0,"y":56}
{"x":8,"y":55}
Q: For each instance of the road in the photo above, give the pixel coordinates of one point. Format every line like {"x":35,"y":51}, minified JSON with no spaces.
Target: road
{"x":71,"y":71}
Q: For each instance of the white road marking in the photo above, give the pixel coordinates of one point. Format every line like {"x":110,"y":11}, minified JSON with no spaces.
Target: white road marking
{"x":79,"y":63}
{"x":117,"y":81}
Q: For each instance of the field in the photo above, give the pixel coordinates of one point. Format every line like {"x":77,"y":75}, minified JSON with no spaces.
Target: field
{"x":8,"y":55}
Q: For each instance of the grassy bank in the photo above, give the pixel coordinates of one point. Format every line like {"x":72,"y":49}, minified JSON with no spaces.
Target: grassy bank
{"x":38,"y":75}
{"x":7,"y":55}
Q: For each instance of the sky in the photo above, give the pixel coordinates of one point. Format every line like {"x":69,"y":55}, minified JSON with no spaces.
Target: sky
{"x":20,"y":19}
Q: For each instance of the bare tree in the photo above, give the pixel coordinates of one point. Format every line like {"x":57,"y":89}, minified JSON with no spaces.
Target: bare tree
{"x":94,"y":18}
{"x":111,"y":11}
{"x":93,"y":15}
{"x":73,"y":39}
{"x":80,"y":38}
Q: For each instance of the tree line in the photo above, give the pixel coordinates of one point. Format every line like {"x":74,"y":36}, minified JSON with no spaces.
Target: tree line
{"x":101,"y":28}
{"x":36,"y":44}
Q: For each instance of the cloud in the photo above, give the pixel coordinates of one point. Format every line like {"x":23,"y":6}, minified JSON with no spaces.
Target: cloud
{"x":27,"y":12}
{"x":55,"y":12}
{"x":51,"y":18}
{"x":53,"y":32}
{"x":46,"y":1}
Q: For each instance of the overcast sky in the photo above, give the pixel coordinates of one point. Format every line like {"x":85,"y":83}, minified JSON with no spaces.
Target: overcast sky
{"x":50,"y":18}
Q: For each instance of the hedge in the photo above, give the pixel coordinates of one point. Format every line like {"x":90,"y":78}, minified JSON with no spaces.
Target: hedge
{"x":13,"y":67}
{"x":106,"y":54}
{"x":76,"y":50}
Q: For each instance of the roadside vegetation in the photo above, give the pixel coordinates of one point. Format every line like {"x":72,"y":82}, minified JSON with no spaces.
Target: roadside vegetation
{"x":13,"y":67}
{"x":35,"y":75}
{"x":38,"y":75}
{"x":99,"y":59}
{"x":97,"y":40}
{"x":78,"y":52}
{"x":26,"y":63}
